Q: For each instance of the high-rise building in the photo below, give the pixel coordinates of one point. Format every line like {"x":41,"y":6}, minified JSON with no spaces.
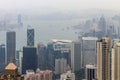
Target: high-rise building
{"x":90,"y":72}
{"x":115,"y":70}
{"x":19,"y":55}
{"x":88,"y":45}
{"x":42,"y":56}
{"x":20,"y":20}
{"x":58,"y":49}
{"x":75,"y":56}
{"x":62,"y":49}
{"x":11,"y":46}
{"x":30,"y":36}
{"x":104,"y":59}
{"x":29,"y":60}
{"x":60,"y":65}
{"x":2,"y":57}
{"x":102,"y":26}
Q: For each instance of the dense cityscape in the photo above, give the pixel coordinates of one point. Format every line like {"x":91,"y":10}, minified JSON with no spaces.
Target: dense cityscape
{"x":59,"y":40}
{"x":93,"y":56}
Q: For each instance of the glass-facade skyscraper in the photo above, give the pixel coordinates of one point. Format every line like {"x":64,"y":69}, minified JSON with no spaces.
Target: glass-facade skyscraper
{"x":29,"y":61}
{"x":30,"y":37}
{"x":11,"y":46}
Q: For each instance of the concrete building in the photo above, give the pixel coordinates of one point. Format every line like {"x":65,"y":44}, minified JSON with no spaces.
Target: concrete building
{"x":67,"y":76}
{"x":11,"y":46}
{"x":29,"y":60}
{"x":115,"y":70}
{"x":60,"y":65}
{"x":75,"y":56}
{"x":103,"y":59}
{"x":30,"y":36}
{"x":90,"y":72}
{"x":88,"y":47}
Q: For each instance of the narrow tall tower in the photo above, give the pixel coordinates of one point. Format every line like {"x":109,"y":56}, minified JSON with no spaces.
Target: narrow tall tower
{"x":103,"y":58}
{"x":116,"y":62}
{"x":75,"y":56}
{"x":30,"y":36}
{"x":11,"y":46}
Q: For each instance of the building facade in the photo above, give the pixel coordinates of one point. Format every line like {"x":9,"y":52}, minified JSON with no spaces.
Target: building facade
{"x":11,"y":46}
{"x":60,"y":65}
{"x":29,"y":60}
{"x":76,"y":56}
{"x":115,"y":70}
{"x":88,"y":47}
{"x":2,"y":57}
{"x":90,"y":72}
{"x":103,"y":59}
{"x":30,"y":37}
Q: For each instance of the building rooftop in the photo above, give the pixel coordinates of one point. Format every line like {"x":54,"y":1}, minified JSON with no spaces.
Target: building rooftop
{"x":61,"y":41}
{"x":89,"y":38}
{"x":11,"y":66}
{"x":90,"y":66}
{"x":118,"y":44}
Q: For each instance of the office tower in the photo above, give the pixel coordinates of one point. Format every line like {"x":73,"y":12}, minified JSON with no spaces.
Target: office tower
{"x":75,"y":56}
{"x":102,"y":26}
{"x":42,"y":56}
{"x":90,"y":72}
{"x":19,"y":55}
{"x":20,"y":20}
{"x":2,"y":57}
{"x":11,"y":73}
{"x":88,"y":47}
{"x":11,"y":46}
{"x":62,"y":49}
{"x":60,"y":65}
{"x":57,"y":49}
{"x":50,"y":57}
{"x":103,"y":58}
{"x":67,"y":76}
{"x":115,"y":70}
{"x":30,"y":36}
{"x":29,"y":60}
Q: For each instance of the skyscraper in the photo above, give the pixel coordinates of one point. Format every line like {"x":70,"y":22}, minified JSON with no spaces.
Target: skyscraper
{"x":30,"y":36}
{"x":75,"y":56}
{"x":42,"y":56}
{"x":115,"y":62}
{"x":29,"y":60}
{"x":88,"y":45}
{"x":102,"y":26}
{"x":11,"y":46}
{"x":20,"y":20}
{"x":2,"y":57}
{"x":103,"y":58}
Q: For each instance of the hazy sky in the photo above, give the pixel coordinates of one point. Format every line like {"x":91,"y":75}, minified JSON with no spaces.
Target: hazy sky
{"x":60,"y":4}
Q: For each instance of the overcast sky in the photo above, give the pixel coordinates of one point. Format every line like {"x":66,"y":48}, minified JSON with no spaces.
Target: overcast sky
{"x":60,"y":4}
